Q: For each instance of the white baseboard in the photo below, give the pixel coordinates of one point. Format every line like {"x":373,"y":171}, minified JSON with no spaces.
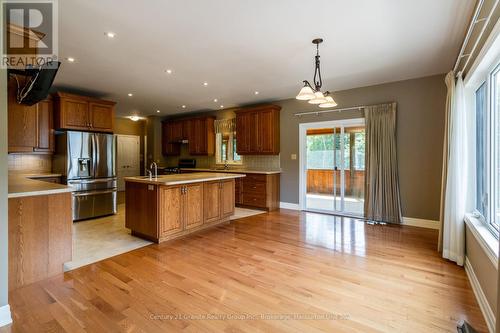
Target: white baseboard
{"x":488,"y":314}
{"x":5,"y":317}
{"x":289,"y":205}
{"x":430,"y":224}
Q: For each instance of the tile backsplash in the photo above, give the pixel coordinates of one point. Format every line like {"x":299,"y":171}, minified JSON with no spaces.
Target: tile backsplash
{"x":254,"y":162}
{"x":30,"y":163}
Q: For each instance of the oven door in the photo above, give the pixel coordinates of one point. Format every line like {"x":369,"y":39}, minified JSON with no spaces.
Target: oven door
{"x":90,"y":204}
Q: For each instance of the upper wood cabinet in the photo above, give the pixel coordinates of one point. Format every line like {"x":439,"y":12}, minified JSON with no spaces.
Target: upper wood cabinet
{"x":31,"y":128}
{"x":199,"y":132}
{"x":74,"y":112}
{"x":258,"y":130}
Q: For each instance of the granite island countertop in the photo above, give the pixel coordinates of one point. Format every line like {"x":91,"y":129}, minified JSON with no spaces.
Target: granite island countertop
{"x":186,"y":178}
{"x":21,"y":185}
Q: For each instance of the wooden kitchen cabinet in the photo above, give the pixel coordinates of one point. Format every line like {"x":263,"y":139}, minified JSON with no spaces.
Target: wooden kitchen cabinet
{"x":219,"y":200}
{"x":75,"y":112}
{"x":161,"y":212}
{"x":202,"y":136}
{"x":199,"y":132}
{"x":258,"y":130}
{"x":171,"y":210}
{"x":30,"y":127}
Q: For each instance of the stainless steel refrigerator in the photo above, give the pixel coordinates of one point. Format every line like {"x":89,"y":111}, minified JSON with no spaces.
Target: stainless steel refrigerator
{"x":87,"y":162}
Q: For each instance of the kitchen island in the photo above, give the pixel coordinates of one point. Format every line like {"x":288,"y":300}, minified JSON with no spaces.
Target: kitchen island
{"x":172,"y":206}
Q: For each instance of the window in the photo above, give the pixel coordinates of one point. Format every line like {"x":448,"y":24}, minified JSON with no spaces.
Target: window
{"x":226,"y":149}
{"x":487,"y":114}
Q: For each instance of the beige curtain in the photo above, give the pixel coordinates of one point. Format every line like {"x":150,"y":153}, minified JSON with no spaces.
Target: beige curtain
{"x":450,"y":84}
{"x":382,"y":199}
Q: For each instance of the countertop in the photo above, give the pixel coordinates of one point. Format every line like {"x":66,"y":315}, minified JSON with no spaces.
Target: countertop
{"x":21,"y":185}
{"x":186,"y":178}
{"x":262,"y":172}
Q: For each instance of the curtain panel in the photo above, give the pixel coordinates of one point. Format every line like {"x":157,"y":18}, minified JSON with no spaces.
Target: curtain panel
{"x":457,"y":194}
{"x":382,"y":196}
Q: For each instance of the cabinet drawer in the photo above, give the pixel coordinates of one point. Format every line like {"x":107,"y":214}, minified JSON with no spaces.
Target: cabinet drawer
{"x":255,"y":188}
{"x":255,"y":200}
{"x":251,"y":178}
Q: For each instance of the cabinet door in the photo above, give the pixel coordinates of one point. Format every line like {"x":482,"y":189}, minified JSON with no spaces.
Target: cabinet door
{"x":227,"y":198}
{"x":74,"y":114}
{"x":101,"y":117}
{"x":22,"y":122}
{"x":242,"y":133}
{"x":169,"y":148}
{"x":211,"y":199}
{"x":170,"y":216}
{"x":193,"y":204}
{"x":253,"y":133}
{"x":45,"y":127}
{"x":176,"y":133}
{"x":194,"y":137}
{"x":266,"y":137}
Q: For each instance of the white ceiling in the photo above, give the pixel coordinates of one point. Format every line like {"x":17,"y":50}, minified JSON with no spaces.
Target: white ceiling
{"x":240,"y":46}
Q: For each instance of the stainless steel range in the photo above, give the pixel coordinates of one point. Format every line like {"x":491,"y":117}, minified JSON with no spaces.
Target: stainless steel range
{"x":87,"y":162}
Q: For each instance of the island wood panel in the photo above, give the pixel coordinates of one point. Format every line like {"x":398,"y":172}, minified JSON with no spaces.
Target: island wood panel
{"x":211,"y":198}
{"x":285,"y":262}
{"x":194,"y":205}
{"x":141,"y":210}
{"x":163,"y":212}
{"x":170,"y":208}
{"x":227,"y":198}
{"x":40,"y":237}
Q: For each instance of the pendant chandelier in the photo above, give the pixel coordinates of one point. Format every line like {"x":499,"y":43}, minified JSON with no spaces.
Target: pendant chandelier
{"x":314,"y":95}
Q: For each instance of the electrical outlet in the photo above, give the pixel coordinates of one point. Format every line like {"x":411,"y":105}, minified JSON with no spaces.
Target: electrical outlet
{"x":293,"y":156}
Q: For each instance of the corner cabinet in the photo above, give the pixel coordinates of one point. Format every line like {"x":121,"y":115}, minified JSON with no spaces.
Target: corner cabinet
{"x":258,"y":130}
{"x":199,"y":133}
{"x":31,"y":128}
{"x":75,"y":112}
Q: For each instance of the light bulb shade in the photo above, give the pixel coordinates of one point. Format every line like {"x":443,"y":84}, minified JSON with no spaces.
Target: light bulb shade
{"x":134,"y":118}
{"x":305,"y":94}
{"x":319,"y":98}
{"x":330,"y":103}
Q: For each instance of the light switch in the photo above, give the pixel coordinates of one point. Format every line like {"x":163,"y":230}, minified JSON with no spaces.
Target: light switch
{"x":294,"y":156}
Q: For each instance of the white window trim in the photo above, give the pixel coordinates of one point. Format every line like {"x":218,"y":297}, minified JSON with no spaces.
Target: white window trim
{"x":484,"y":237}
{"x":482,"y":68}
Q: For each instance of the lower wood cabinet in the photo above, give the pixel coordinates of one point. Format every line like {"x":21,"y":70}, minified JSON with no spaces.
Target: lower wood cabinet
{"x":219,"y":200}
{"x":40,"y":237}
{"x":160,"y":212}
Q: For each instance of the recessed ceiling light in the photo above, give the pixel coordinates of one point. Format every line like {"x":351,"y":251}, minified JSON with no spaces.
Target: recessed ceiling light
{"x":215,"y":100}
{"x":130,"y":94}
{"x":183,"y":106}
{"x":157,"y":111}
{"x":110,"y":34}
{"x":168,"y":71}
{"x":70,"y":59}
{"x":222,"y":106}
{"x":256,"y":93}
{"x":205,"y":84}
{"x":134,"y":118}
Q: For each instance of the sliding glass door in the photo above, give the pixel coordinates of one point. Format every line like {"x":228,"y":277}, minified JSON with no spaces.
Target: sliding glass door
{"x":333,"y":167}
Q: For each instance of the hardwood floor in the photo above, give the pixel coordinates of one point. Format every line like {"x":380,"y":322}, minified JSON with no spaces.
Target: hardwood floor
{"x":265,"y":273}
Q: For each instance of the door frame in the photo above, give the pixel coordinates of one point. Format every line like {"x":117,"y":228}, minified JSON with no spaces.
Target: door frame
{"x":303,"y":127}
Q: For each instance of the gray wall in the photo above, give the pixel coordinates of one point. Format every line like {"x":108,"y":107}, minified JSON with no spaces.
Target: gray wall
{"x":484,"y":269}
{"x":3,"y":191}
{"x":420,"y":130}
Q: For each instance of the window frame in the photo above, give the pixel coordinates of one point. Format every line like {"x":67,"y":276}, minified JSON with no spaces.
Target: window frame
{"x":491,"y":149}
